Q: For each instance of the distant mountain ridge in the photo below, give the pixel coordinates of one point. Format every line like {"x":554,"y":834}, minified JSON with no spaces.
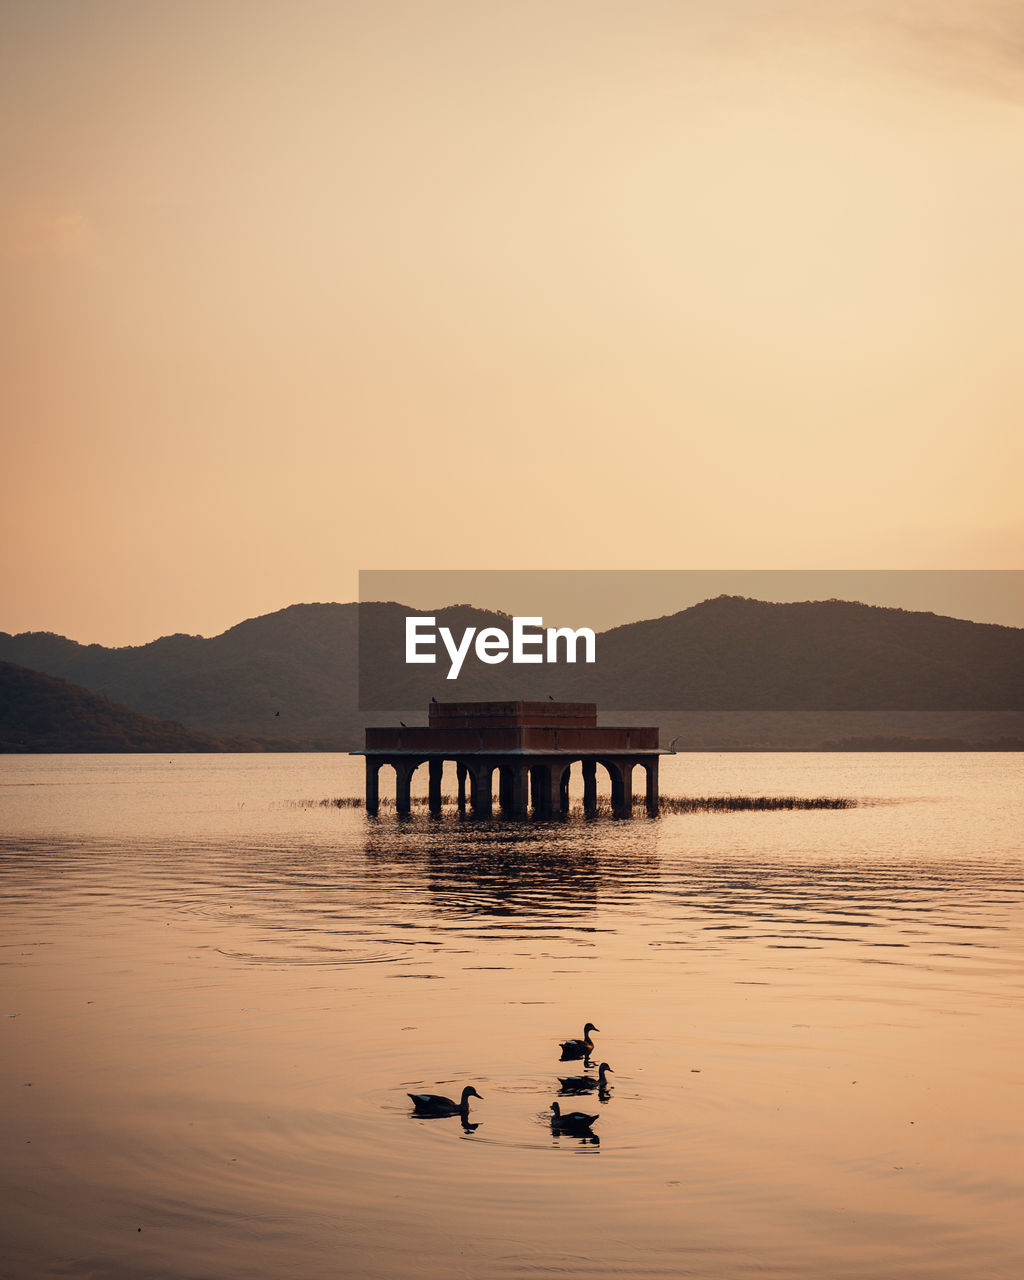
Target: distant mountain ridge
{"x":288,"y":674}
{"x":292,"y":674}
{"x":42,"y":713}
{"x":735,"y":654}
{"x":731,"y":653}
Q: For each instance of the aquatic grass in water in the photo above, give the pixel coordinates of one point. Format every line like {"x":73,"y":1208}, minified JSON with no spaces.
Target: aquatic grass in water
{"x":667,"y":804}
{"x":726,"y":804}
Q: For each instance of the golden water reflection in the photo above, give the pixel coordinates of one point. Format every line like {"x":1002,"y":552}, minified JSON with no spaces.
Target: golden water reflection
{"x":812,"y":1019}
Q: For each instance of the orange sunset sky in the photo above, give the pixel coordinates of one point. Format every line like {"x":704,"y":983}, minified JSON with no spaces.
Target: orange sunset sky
{"x":293,"y":289}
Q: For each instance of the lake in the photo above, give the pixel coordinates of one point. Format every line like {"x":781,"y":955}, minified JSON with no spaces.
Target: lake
{"x":216,"y":998}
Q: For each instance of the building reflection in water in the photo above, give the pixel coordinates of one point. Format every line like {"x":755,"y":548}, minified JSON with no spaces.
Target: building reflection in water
{"x":522,"y":870}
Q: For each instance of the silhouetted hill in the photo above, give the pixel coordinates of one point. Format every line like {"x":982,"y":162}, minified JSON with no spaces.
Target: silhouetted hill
{"x":42,"y":713}
{"x":730,"y":671}
{"x":297,"y":662}
{"x":734,"y":654}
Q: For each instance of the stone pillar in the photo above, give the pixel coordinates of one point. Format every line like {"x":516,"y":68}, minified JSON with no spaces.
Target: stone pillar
{"x":546,"y":790}
{"x":652,"y":787}
{"x":514,"y":789}
{"x":622,"y":788}
{"x":436,"y":771}
{"x":554,"y":790}
{"x":372,"y":784}
{"x":481,"y":777}
{"x":404,"y":769}
{"x":627,"y":788}
{"x":536,"y":789}
{"x":614,"y":768}
{"x":563,"y":796}
{"x":519,"y":791}
{"x":589,"y":786}
{"x":460,"y":774}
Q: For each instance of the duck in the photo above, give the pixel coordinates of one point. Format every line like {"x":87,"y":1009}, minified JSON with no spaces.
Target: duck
{"x":579,"y":1048}
{"x":433,"y":1104}
{"x":584,"y":1084}
{"x":573,"y":1121}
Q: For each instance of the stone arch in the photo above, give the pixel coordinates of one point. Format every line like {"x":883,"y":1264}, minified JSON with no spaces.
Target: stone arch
{"x":637,"y":778}
{"x":405,"y":767}
{"x":570,"y":784}
{"x":617,"y":780}
{"x":374,"y":768}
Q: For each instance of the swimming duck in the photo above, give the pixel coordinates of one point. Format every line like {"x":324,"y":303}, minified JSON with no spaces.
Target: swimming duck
{"x":433,"y":1104}
{"x":573,"y":1121}
{"x":584,"y":1084}
{"x":579,"y":1048}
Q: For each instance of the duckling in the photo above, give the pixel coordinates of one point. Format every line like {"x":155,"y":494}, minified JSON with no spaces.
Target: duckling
{"x":433,"y":1104}
{"x":579,"y":1048}
{"x":572,"y":1121}
{"x":584,"y":1084}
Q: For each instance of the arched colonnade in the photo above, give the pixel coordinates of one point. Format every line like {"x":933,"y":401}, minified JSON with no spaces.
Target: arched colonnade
{"x":526,"y":784}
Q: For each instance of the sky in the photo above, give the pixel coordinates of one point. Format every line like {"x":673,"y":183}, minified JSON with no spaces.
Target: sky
{"x":291,"y":290}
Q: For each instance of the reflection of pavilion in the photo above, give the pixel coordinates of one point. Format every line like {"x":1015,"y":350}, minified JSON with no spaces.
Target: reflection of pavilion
{"x":531,"y":744}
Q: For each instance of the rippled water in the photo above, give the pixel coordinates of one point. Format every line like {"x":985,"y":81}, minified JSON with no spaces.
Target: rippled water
{"x":215,"y":1001}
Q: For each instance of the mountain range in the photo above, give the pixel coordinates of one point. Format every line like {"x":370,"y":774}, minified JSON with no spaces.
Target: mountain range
{"x":41,"y":713}
{"x":729,"y":672}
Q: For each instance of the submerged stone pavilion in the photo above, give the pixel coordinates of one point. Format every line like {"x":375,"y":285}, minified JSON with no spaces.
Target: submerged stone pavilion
{"x":531,"y":744}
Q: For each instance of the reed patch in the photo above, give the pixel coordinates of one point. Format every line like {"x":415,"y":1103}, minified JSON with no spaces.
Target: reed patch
{"x":667,"y":804}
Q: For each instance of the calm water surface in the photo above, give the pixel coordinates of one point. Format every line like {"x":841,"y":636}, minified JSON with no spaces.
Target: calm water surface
{"x":213,"y":1002}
